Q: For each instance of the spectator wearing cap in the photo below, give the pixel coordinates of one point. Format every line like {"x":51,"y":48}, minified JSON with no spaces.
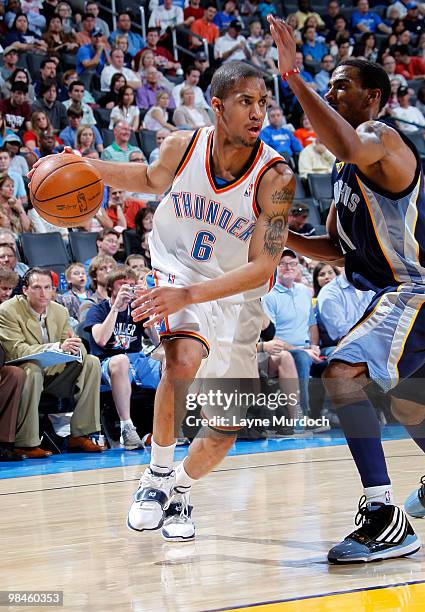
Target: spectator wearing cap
{"x":406,"y":112}
{"x":279,"y":137}
{"x":412,"y":21}
{"x":166,"y":16}
{"x":47,"y":144}
{"x":232,"y":46}
{"x":117,"y":66}
{"x":16,"y":109}
{"x":363,"y":20}
{"x":315,"y":159}
{"x":410,"y":67}
{"x":297,"y":220}
{"x":92,"y":57}
{"x":10,"y":60}
{"x":49,"y":103}
{"x":205,"y":27}
{"x":12,"y":143}
{"x":201,"y":63}
{"x":135,"y":42}
{"x":289,"y":306}
{"x":193,"y":12}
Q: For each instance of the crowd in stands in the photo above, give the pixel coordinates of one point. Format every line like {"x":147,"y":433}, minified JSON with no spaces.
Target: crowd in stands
{"x":69,"y":78}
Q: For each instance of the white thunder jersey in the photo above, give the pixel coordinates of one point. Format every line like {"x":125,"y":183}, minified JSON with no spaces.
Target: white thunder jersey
{"x":202,"y":230}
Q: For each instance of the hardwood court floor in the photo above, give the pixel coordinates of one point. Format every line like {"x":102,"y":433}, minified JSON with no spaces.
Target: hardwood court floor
{"x":264,"y":524}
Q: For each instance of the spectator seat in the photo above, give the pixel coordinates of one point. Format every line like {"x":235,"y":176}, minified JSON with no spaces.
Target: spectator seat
{"x":45,"y":250}
{"x":82,"y":245}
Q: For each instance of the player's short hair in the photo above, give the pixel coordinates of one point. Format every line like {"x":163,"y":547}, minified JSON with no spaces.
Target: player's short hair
{"x":372,"y":76}
{"x":119,"y":274}
{"x":227,"y":77}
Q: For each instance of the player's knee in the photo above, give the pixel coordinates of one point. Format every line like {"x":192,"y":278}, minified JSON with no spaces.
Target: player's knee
{"x":222,"y":437}
{"x":336,"y":378}
{"x":119,"y":365}
{"x":183,"y":367}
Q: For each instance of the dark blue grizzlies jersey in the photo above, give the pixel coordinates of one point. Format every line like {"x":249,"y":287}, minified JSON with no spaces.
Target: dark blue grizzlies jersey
{"x":382,"y":234}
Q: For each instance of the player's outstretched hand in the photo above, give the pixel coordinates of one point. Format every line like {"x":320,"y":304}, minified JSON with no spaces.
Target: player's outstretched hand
{"x":66,"y":151}
{"x":155,"y":304}
{"x":283,"y":37}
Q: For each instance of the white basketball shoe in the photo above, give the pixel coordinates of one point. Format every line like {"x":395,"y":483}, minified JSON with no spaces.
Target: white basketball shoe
{"x":178,"y":525}
{"x":151,"y":498}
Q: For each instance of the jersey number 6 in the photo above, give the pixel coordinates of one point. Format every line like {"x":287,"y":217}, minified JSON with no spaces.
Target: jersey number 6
{"x":203,"y":246}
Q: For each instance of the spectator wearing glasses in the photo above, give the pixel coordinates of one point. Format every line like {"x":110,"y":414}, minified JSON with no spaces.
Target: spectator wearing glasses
{"x":389,"y":64}
{"x":289,"y":306}
{"x":297,"y":220}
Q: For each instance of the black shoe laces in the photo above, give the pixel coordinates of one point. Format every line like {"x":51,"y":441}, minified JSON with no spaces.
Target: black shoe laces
{"x":369,"y":522}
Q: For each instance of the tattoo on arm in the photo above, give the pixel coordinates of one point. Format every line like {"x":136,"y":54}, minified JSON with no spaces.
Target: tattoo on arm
{"x":283,"y":196}
{"x":274,"y":236}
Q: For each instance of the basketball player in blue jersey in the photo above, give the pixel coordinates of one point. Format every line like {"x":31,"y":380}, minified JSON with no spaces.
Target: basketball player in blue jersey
{"x":377,"y":222}
{"x":217,"y":239}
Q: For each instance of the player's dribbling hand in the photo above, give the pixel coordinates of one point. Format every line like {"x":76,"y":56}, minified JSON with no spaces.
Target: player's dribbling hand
{"x":283,"y":37}
{"x":158,"y":303}
{"x":67,"y":151}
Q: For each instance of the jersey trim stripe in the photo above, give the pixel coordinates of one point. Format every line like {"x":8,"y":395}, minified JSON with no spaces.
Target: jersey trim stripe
{"x":275,"y":160}
{"x":407,"y":319}
{"x":240,"y":179}
{"x":375,"y":229}
{"x":185,"y":334}
{"x":188,"y":153}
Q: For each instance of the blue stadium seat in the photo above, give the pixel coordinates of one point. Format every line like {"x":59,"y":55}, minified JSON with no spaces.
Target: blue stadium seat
{"x":82,"y":245}
{"x":45,"y":250}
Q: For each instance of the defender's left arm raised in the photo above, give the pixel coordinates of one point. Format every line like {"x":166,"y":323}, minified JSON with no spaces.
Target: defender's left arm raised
{"x":274,"y":198}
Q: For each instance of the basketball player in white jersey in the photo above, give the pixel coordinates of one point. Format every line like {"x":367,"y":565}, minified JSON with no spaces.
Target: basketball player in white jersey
{"x":217,"y":239}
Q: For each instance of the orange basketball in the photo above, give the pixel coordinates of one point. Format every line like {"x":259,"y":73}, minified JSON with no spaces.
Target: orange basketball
{"x":66,"y":191}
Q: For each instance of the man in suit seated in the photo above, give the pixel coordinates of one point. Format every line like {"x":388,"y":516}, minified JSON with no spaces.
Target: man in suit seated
{"x":32,"y":323}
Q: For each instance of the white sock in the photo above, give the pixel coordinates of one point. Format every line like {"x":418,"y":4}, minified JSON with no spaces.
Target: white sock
{"x":183,"y":480}
{"x":383,"y":494}
{"x":162,"y":458}
{"x":124,"y":423}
